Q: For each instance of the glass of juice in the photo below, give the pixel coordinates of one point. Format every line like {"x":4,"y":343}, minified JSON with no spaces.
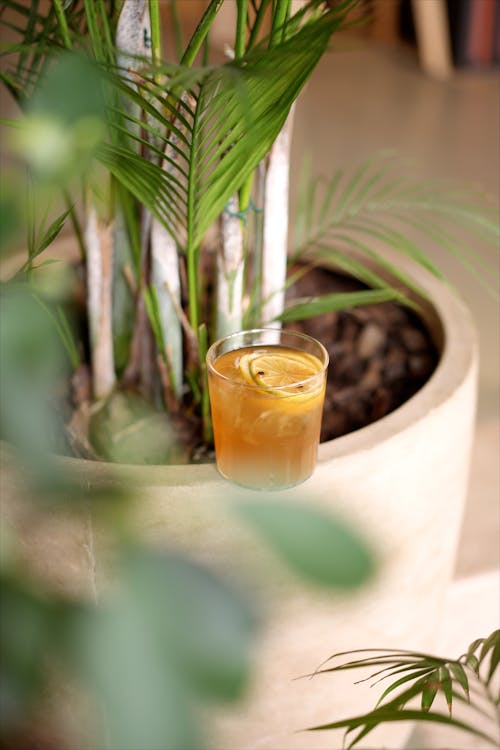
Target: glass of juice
{"x":267,"y":388}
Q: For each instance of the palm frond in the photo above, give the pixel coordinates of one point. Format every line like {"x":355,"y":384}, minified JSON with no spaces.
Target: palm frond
{"x":238,"y":110}
{"x":235,"y":113}
{"x":382,"y":205}
{"x":310,"y":307}
{"x":424,"y":676}
{"x":383,"y":715}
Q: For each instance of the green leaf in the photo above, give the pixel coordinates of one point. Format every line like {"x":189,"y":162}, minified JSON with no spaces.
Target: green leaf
{"x":315,"y":545}
{"x":492,"y":643}
{"x":31,"y":361}
{"x":236,"y":113}
{"x":169,"y":633}
{"x":152,"y":308}
{"x":65,"y":119}
{"x":25,"y":635}
{"x":429,"y":674}
{"x":383,"y":204}
{"x":460,"y":676}
{"x":446,"y":686}
{"x":416,"y":673}
{"x":71,"y":90}
{"x":387,"y":715}
{"x":313,"y":306}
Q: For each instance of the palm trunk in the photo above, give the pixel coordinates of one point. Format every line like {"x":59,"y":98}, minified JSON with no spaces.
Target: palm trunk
{"x":275,"y":232}
{"x":133,"y":37}
{"x":165,"y":278}
{"x":99,"y":252}
{"x":133,"y":34}
{"x":230,"y":268}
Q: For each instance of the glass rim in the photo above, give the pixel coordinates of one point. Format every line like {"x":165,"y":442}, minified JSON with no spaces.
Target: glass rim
{"x":277,"y":388}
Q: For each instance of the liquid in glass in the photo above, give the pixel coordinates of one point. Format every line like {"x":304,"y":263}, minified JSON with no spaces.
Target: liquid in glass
{"x":267,"y":403}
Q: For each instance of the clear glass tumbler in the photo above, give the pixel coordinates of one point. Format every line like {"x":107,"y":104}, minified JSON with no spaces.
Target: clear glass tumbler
{"x":267,"y":390}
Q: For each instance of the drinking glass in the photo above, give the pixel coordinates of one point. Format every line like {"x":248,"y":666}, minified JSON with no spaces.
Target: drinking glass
{"x":267,"y":389}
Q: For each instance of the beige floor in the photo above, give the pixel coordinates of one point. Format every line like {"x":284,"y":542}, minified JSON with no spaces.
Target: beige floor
{"x":377,"y":97}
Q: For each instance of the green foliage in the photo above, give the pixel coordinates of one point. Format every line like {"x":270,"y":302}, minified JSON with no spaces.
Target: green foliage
{"x":169,"y":638}
{"x":318,"y":547}
{"x":468,"y":679}
{"x":27,"y":624}
{"x":64,"y":122}
{"x":177,"y":141}
{"x":310,"y":307}
{"x":360,"y":214}
{"x":31,"y":358}
{"x":182,"y":634}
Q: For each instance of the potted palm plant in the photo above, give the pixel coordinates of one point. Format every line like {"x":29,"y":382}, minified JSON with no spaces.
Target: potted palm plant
{"x":175,"y":180}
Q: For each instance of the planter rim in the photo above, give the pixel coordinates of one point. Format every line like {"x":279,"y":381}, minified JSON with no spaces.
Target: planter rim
{"x":451,"y":325}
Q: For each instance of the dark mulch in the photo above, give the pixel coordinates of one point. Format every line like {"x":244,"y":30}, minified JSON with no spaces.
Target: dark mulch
{"x":380,"y":355}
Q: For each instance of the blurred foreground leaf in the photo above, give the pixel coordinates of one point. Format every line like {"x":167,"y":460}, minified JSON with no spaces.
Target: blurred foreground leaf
{"x":316,"y":545}
{"x":31,"y":360}
{"x":25,"y":632}
{"x":170,"y":634}
{"x":64,"y":123}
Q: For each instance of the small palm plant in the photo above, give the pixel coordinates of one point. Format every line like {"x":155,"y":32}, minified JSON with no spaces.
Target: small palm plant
{"x":469,"y":680}
{"x":175,"y":176}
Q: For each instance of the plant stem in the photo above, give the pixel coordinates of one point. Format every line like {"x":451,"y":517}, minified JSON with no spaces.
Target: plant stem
{"x":177,"y":28}
{"x":205,"y":401}
{"x":192,"y":253}
{"x":77,"y":229}
{"x":200,"y":32}
{"x":280,"y":13}
{"x":241,"y":23}
{"x":99,"y":247}
{"x":63,"y":25}
{"x":274,"y":251}
{"x":192,"y":249}
{"x":94,"y":30}
{"x":154,"y":16}
{"x":230,"y":271}
{"x":257,"y":24}
{"x":230,"y":258}
{"x":166,"y":281}
{"x":106,"y":32}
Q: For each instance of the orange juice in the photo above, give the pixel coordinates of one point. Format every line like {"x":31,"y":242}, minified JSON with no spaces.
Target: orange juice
{"x":267,"y":403}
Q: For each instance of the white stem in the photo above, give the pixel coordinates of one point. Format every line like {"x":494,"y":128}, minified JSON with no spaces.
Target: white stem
{"x":133,"y":34}
{"x":230,"y":266}
{"x":99,"y":252}
{"x":275,"y":239}
{"x":133,"y":38}
{"x":165,"y":277}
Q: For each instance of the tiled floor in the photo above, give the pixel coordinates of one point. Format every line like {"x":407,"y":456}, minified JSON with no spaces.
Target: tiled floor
{"x":377,"y":97}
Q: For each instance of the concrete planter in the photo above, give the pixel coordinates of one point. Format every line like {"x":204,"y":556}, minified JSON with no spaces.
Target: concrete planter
{"x":401,"y":480}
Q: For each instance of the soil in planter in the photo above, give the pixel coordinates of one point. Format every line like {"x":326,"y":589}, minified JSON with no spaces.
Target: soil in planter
{"x":380,"y":355}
